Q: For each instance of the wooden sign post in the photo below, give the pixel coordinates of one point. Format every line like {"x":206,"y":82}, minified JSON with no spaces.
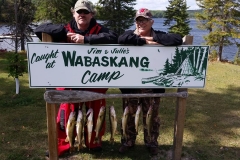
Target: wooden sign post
{"x":51,"y":111}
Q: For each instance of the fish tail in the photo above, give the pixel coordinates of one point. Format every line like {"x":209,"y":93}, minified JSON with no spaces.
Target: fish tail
{"x":66,"y":140}
{"x":71,"y":149}
{"x":125,"y":136}
{"x":111,"y":140}
{"x":95,"y":140}
{"x":79,"y":147}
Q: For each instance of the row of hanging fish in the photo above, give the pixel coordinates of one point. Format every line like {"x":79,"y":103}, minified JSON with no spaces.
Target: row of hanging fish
{"x":137,"y":117}
{"x":125,"y":119}
{"x":78,"y":123}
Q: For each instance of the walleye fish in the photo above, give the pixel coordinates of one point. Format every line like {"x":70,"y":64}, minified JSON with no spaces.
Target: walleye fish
{"x":69,"y":130}
{"x":137,"y":116}
{"x":149,"y":121}
{"x":79,"y":129}
{"x":89,"y":123}
{"x":124,"y":122}
{"x":113,"y":123}
{"x":100,"y":121}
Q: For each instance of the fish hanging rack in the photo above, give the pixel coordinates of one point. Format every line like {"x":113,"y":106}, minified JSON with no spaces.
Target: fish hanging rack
{"x":52,"y":97}
{"x":73,"y":96}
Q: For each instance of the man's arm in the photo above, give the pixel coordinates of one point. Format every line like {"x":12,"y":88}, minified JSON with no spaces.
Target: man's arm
{"x":129,"y":37}
{"x":104,"y":37}
{"x":167,"y":39}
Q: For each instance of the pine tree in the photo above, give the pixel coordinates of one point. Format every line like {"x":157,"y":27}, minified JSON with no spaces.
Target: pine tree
{"x":167,"y":67}
{"x":117,"y":15}
{"x":1,"y":8}
{"x":58,"y":11}
{"x":176,"y":61}
{"x":19,"y":16}
{"x":221,"y":19}
{"x":177,"y":13}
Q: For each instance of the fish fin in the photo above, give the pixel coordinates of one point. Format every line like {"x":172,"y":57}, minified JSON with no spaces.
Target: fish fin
{"x":72,"y":123}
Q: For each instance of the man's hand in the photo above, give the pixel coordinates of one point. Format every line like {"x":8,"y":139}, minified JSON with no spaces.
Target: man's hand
{"x":149,"y":40}
{"x":76,"y":38}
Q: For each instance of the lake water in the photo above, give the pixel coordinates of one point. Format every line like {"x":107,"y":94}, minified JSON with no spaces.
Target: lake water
{"x":228,"y":52}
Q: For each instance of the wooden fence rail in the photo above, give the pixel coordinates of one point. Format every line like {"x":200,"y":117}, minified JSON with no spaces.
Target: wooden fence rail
{"x":71,"y":96}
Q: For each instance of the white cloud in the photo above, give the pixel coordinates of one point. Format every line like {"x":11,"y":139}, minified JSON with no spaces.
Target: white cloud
{"x":158,"y":4}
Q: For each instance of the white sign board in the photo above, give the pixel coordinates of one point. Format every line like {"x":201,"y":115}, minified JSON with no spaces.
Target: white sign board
{"x":66,"y":65}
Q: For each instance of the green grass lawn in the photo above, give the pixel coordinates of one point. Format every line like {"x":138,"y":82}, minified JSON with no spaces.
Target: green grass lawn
{"x":212,"y":125}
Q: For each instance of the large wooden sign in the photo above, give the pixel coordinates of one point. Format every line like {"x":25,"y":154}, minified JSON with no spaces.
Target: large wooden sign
{"x":66,"y":65}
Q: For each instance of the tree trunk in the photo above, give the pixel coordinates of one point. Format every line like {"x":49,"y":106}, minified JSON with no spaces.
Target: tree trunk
{"x":22,"y":43}
{"x":16,"y":45}
{"x":220,"y":53}
{"x":17,"y":85}
{"x":238,"y":52}
{"x":16,"y":27}
{"x":220,"y":50}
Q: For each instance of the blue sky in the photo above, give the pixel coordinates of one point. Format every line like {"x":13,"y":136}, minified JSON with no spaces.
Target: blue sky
{"x":158,"y":4}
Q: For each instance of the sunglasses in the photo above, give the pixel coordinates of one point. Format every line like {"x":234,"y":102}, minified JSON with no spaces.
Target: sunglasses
{"x":83,"y":11}
{"x":142,"y":21}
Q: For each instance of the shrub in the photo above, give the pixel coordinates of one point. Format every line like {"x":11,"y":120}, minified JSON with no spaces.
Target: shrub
{"x":213,"y":55}
{"x":16,"y":65}
{"x":237,"y":56}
